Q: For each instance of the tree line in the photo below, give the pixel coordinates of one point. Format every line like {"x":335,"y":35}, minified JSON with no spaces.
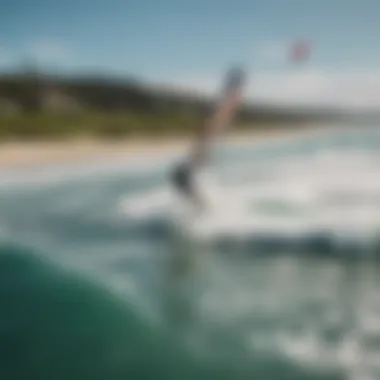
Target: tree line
{"x":37,"y":105}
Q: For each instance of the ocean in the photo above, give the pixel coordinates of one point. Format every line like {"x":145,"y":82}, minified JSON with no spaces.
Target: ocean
{"x":282,"y":283}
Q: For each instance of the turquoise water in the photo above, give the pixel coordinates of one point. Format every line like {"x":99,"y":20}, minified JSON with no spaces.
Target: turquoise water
{"x":87,"y":292}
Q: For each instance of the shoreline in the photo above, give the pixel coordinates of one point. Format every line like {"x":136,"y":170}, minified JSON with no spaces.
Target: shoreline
{"x":16,"y":155}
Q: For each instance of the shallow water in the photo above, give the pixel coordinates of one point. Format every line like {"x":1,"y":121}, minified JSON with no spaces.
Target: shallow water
{"x":89,"y":292}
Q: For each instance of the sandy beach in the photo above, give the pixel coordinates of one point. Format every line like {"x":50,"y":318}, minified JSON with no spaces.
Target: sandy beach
{"x":32,"y":154}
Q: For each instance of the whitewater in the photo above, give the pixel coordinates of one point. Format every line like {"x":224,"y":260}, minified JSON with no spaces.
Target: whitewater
{"x":281,"y":279}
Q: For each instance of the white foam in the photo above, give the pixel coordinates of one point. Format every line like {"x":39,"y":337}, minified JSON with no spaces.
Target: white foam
{"x":337,"y":193}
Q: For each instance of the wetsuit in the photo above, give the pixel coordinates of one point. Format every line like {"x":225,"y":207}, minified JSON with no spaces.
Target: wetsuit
{"x":182,"y":179}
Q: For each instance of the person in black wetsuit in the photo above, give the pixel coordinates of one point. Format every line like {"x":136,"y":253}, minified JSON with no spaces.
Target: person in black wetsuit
{"x":182,"y":177}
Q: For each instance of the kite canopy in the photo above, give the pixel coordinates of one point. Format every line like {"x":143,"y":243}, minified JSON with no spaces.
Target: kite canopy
{"x":300,"y":51}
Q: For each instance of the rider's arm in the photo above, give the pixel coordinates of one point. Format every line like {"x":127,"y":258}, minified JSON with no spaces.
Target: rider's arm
{"x":222,"y":115}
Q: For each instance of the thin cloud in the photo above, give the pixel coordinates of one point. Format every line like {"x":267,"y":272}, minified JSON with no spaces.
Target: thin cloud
{"x":5,"y":57}
{"x":49,"y":52}
{"x":359,"y":89}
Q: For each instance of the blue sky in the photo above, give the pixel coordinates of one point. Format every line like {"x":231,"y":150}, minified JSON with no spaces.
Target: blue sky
{"x":191,"y":42}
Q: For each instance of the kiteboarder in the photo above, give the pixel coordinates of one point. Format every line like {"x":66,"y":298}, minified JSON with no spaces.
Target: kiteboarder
{"x":183,"y":174}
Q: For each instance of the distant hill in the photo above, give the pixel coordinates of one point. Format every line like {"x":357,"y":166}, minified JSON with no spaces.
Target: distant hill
{"x":108,"y":93}
{"x":34,"y":105}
